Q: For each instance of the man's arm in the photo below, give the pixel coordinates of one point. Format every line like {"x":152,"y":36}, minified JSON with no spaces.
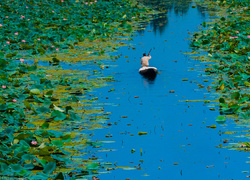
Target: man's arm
{"x":149,"y":57}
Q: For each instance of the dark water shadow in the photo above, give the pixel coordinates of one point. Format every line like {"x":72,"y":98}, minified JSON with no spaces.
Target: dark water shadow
{"x":148,"y":82}
{"x":149,"y":78}
{"x":161,"y":20}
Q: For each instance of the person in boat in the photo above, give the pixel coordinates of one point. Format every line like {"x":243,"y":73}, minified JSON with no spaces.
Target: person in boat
{"x":145,"y":59}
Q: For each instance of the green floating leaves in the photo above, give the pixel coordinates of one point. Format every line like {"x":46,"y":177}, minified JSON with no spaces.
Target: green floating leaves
{"x":247,"y":144}
{"x":59,"y":176}
{"x":92,"y":166}
{"x":43,"y":110}
{"x":66,"y":138}
{"x":28,"y":157}
{"x":45,"y":125}
{"x":220,"y":119}
{"x":244,"y":99}
{"x":57,"y":143}
{"x":226,"y":40}
{"x":223,"y":19}
{"x":235,"y":95}
{"x":35,"y":91}
{"x":16,"y":168}
{"x":58,"y":115}
{"x":55,"y":60}
{"x":222,"y":100}
{"x":43,"y":176}
{"x":29,"y":166}
{"x":4,"y":167}
{"x":27,"y":105}
{"x":32,"y":97}
{"x":204,"y":24}
{"x":49,"y":167}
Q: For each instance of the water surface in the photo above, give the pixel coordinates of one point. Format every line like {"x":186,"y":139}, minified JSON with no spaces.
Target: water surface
{"x":179,"y":145}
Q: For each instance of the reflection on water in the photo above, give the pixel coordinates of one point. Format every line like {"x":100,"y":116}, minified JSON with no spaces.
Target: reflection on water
{"x":180,"y":7}
{"x":201,"y":10}
{"x":147,"y":82}
{"x":150,"y":78}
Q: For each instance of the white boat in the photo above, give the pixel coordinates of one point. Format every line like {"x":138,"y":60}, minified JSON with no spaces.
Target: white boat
{"x":148,"y":71}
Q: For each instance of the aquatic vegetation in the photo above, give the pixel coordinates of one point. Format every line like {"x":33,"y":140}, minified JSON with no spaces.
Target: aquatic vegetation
{"x":25,"y":26}
{"x":227,"y":40}
{"x":36,"y":109}
{"x":45,"y":111}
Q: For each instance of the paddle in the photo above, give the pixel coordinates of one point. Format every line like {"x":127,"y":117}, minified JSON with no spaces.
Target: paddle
{"x":150,"y":51}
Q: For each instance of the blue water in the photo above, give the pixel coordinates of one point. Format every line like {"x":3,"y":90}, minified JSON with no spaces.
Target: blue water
{"x":177,"y":130}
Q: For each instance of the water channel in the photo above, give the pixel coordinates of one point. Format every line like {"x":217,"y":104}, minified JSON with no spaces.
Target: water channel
{"x":178,"y":144}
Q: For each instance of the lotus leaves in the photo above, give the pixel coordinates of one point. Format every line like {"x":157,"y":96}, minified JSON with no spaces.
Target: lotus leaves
{"x":39,"y":104}
{"x":64,"y":25}
{"x":226,"y":40}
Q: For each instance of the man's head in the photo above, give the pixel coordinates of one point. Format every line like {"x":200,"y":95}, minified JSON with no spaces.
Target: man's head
{"x":144,"y":54}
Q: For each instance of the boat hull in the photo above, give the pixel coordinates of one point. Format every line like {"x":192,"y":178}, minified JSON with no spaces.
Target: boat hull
{"x":149,"y":72}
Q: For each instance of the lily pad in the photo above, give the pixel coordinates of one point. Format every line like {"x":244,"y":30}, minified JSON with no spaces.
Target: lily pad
{"x":221,"y":119}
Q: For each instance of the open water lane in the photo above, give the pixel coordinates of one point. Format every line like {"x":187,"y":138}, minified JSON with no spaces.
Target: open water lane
{"x":178,"y":144}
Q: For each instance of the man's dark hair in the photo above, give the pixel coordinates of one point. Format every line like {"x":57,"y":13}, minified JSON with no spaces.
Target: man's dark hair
{"x":144,"y":54}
